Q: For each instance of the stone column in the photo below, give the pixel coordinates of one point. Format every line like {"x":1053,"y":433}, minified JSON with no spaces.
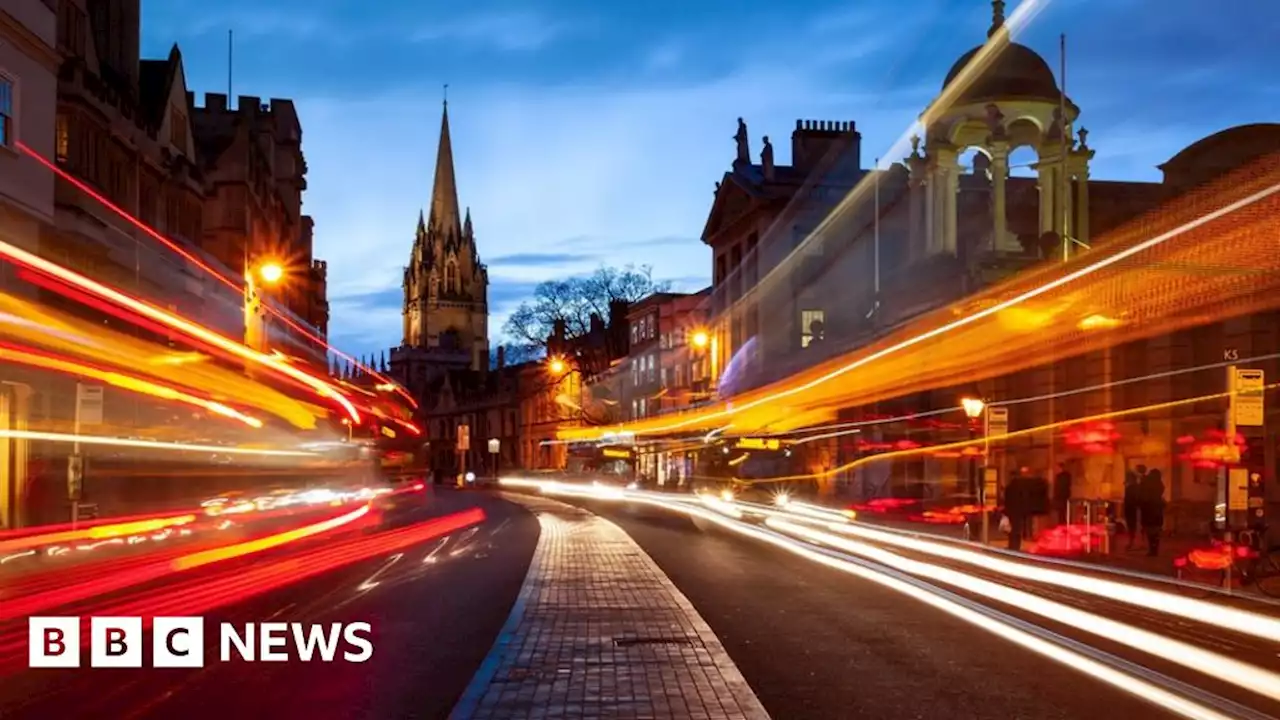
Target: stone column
{"x":947,"y":182}
{"x":917,"y":188}
{"x":1082,"y":212}
{"x":999,"y":178}
{"x":1046,"y":177}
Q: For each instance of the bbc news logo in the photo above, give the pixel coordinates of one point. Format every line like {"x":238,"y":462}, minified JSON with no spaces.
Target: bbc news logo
{"x":178,"y":642}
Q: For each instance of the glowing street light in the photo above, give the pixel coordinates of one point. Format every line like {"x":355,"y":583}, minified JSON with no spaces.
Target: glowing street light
{"x":556,"y":366}
{"x":973,"y":407}
{"x":700,"y":339}
{"x":271,"y":272}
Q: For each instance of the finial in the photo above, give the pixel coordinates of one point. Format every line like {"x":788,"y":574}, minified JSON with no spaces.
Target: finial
{"x":446,"y":94}
{"x":997,"y":17}
{"x":1084,"y":138}
{"x":915,"y":144}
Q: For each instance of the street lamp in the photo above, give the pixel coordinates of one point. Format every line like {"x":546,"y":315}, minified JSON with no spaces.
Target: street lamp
{"x":270,"y":272}
{"x":700,"y":339}
{"x":556,"y":366}
{"x":973,"y":407}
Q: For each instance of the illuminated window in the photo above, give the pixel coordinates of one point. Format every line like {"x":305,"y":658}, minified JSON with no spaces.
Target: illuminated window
{"x":62,"y":138}
{"x":812,"y":326}
{"x":7,"y":91}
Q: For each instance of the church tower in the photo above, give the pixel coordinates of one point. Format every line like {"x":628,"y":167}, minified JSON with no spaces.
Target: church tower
{"x":446,"y":287}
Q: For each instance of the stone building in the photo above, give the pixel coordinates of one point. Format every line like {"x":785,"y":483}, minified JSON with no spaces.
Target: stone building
{"x":28,"y":103}
{"x":446,"y":288}
{"x":821,"y":261}
{"x":254,"y":174}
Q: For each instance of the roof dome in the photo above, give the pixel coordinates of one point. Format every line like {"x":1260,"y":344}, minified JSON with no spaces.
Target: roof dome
{"x":1016,"y":72}
{"x":1221,"y":153}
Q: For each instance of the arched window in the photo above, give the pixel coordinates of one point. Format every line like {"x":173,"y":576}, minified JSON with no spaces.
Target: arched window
{"x":451,"y":277}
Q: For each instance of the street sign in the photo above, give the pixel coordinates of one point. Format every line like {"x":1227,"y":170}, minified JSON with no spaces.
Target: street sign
{"x":1238,"y":489}
{"x":88,"y":404}
{"x":494,"y":445}
{"x":997,"y":421}
{"x":1247,"y":400}
{"x":464,"y":437}
{"x":1230,"y":355}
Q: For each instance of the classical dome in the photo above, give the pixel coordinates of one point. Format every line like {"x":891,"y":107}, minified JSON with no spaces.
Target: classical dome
{"x":1017,"y":72}
{"x":1221,"y":153}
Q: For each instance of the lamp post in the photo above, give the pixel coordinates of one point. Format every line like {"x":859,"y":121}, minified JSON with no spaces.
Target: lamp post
{"x":269,"y":273}
{"x":973,"y":408}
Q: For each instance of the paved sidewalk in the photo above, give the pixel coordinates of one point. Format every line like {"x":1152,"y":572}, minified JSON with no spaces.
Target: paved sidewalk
{"x":600,"y":632}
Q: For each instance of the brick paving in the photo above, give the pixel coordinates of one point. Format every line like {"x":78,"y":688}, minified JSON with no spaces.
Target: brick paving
{"x":600,"y":632}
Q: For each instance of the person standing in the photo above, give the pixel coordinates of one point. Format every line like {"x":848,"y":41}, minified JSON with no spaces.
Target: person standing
{"x":1017,"y":506}
{"x":1152,"y":499}
{"x":1132,"y":501}
{"x":1062,"y":493}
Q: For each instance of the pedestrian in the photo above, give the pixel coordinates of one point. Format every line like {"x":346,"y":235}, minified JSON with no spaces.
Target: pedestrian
{"x":1132,"y":501}
{"x":1062,"y":493}
{"x":1152,"y":499}
{"x":1017,"y":506}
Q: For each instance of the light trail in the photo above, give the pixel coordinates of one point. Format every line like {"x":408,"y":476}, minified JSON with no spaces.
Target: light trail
{"x":1230,"y":670}
{"x":1254,"y":624}
{"x":827,"y":431}
{"x":35,"y":262}
{"x":181,"y":251}
{"x":989,"y":438}
{"x":730,"y":409}
{"x":33,"y":358}
{"x":148,"y":444}
{"x":1091,"y":662}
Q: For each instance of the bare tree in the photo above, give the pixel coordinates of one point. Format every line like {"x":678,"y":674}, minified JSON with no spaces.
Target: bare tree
{"x":574,"y":301}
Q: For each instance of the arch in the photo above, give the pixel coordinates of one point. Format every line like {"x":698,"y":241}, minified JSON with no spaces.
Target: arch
{"x":1021,"y":160}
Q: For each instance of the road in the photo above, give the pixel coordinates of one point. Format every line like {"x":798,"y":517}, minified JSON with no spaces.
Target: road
{"x":810,"y":641}
{"x":817,"y":643}
{"x":432,"y":623}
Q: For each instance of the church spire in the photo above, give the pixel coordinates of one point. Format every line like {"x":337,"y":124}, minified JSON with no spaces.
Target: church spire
{"x":444,"y":195}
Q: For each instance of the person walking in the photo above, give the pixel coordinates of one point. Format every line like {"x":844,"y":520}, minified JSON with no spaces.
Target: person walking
{"x":1152,"y":499}
{"x":1132,"y":501}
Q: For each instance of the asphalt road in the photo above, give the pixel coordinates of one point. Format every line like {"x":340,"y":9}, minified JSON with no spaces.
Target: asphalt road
{"x":433,"y":622}
{"x":817,"y":643}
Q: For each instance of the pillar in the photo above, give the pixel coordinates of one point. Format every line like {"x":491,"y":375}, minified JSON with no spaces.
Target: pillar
{"x":999,"y":178}
{"x":946,"y":187}
{"x":1082,"y":212}
{"x":1046,"y":176}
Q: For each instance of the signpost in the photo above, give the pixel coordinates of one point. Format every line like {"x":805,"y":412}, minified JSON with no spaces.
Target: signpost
{"x":464,"y":445}
{"x":495,"y":446}
{"x":997,"y":425}
{"x":1247,"y":397}
{"x":89,"y":404}
{"x":1240,"y":486}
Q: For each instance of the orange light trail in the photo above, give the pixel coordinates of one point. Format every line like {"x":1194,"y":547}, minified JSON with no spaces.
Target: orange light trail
{"x":36,"y":262}
{"x":96,"y":532}
{"x":175,"y":247}
{"x":146,"y":444}
{"x":27,"y":356}
{"x":1047,"y":280}
{"x":195,"y":560}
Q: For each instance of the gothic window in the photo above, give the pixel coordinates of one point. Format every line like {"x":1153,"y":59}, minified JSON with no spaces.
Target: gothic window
{"x":451,"y":278}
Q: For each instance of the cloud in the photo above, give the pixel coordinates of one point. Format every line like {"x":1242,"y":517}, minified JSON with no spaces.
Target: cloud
{"x":539,"y":259}
{"x":508,"y":31}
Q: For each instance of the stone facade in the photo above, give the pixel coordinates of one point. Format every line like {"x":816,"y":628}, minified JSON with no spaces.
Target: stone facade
{"x":446,"y":288}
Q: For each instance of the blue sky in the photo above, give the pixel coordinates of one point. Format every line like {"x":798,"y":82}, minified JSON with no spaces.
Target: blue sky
{"x":590,"y":132}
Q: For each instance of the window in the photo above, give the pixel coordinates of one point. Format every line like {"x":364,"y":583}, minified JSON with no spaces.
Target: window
{"x":635,"y":331}
{"x":7,"y":102}
{"x":61,"y":138}
{"x":812,"y":326}
{"x":451,"y":278}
